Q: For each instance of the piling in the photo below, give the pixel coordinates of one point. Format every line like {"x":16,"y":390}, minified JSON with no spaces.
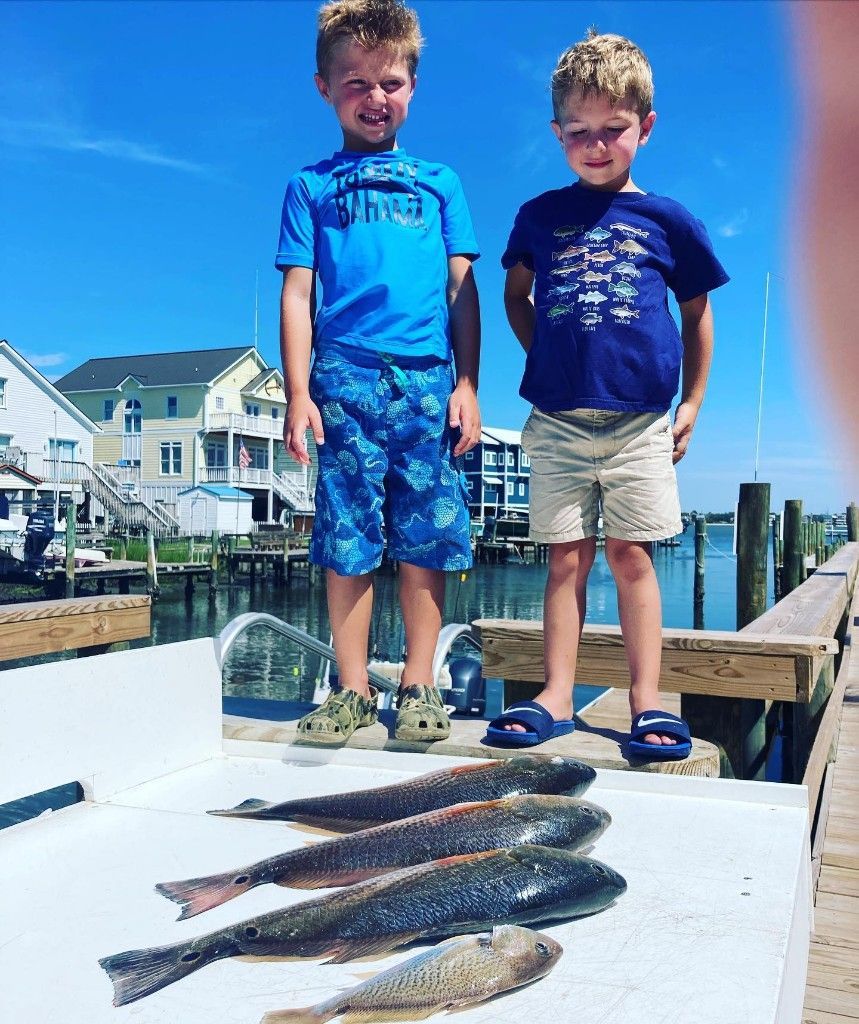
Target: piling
{"x":151,"y":571}
{"x":123,"y":547}
{"x":70,"y":550}
{"x":793,"y":561}
{"x":700,"y":546}
{"x":231,"y":557}
{"x":852,"y":521}
{"x":777,"y":566}
{"x":213,"y":561}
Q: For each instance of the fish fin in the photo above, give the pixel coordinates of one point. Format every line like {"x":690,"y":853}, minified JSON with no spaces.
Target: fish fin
{"x":482,"y":766}
{"x":196,"y":895}
{"x":247,"y":809}
{"x":303,"y":1015}
{"x":390,"y":1013}
{"x":346,"y":950}
{"x":336,"y":824}
{"x":139,"y":972}
{"x":465,"y":857}
{"x":326,"y":879}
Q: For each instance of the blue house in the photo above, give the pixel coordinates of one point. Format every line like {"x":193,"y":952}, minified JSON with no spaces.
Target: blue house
{"x":499,"y":474}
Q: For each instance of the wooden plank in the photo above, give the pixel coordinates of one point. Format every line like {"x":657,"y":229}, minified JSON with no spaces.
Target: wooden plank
{"x":811,"y":1016}
{"x":710,"y":662}
{"x":843,"y":1001}
{"x":836,"y":928}
{"x":47,"y":627}
{"x":843,"y":881}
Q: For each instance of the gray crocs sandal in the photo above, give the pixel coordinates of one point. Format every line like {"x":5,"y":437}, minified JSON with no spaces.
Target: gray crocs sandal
{"x":421,"y":715}
{"x":338,"y":716}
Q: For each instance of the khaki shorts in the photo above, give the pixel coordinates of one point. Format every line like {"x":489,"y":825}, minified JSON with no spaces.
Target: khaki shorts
{"x":589,"y":460}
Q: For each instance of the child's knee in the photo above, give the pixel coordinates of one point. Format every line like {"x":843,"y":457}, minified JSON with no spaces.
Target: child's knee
{"x":629,"y":561}
{"x":570,"y":561}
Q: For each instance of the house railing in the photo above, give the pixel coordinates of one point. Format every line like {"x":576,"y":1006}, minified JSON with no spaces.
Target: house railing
{"x":244,"y":424}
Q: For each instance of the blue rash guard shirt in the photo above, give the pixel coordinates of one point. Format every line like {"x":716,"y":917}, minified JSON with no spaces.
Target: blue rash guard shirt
{"x":378,"y":228}
{"x":603,"y":263}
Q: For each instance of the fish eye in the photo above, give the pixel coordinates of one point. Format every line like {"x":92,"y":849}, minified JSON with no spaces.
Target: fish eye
{"x":189,"y":958}
{"x":587,"y":810}
{"x":252,"y":933}
{"x":542,"y":949}
{"x":240,"y":880}
{"x":600,"y":870}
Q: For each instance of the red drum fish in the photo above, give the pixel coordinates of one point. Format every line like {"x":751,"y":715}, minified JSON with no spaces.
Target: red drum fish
{"x":525,"y":885}
{"x":557,"y":821}
{"x":484,"y":780}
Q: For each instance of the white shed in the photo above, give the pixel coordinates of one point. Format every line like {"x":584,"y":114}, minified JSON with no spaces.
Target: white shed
{"x":210,"y":507}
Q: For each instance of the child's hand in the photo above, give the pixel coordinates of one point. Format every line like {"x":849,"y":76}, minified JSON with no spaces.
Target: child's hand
{"x":301,"y":414}
{"x":684,"y":422}
{"x":464,"y":412}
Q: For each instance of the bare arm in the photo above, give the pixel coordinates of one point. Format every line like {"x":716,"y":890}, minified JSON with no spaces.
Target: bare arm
{"x":464,"y":310}
{"x":519,"y":304}
{"x":696,"y":318}
{"x":297,"y":303}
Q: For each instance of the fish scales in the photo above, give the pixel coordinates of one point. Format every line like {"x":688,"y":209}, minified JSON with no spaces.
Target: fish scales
{"x":486,"y":780}
{"x":458,"y":973}
{"x":524,"y":885}
{"x":556,"y":821}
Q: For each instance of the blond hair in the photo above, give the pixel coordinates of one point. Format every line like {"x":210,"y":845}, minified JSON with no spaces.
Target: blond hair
{"x":373,"y":24}
{"x":604,"y":65}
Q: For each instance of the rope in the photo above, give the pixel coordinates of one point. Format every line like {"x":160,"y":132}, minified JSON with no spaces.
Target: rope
{"x":731,"y":558}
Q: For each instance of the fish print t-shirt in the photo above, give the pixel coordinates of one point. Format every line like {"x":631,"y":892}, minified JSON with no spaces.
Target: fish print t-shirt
{"x":603,"y":263}
{"x":378,"y":228}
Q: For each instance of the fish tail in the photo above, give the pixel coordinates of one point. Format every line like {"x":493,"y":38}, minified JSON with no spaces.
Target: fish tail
{"x":140,"y":972}
{"x":195,"y":895}
{"x":302,"y":1015}
{"x":247,"y":809}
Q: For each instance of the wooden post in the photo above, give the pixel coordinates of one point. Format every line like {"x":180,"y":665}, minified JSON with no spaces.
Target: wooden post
{"x":151,"y":569}
{"x":852,"y":521}
{"x":123,"y":547}
{"x":70,"y":550}
{"x":231,"y":557}
{"x":776,"y":556}
{"x":793,"y":560}
{"x":189,"y":586}
{"x":213,"y":562}
{"x":700,"y":546}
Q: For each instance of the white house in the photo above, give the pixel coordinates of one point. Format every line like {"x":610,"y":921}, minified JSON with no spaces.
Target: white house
{"x":208,"y":507}
{"x":38,"y":422}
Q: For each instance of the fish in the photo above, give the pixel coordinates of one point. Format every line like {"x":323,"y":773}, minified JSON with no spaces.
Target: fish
{"x":589,"y":319}
{"x":597,"y":235}
{"x":570,"y":252}
{"x":561,"y":290}
{"x":484,"y":780}
{"x":591,"y":277}
{"x":603,"y":256}
{"x":630,"y":247}
{"x":626,"y":269}
{"x":627,"y":229}
{"x":525,"y":885}
{"x":568,"y":230}
{"x":556,"y":821}
{"x":624,"y":312}
{"x":624,"y":289}
{"x":592,"y":297}
{"x":457,"y":973}
{"x":556,"y":312}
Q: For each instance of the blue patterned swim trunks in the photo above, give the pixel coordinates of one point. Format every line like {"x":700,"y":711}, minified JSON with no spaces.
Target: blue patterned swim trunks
{"x":387,"y":458}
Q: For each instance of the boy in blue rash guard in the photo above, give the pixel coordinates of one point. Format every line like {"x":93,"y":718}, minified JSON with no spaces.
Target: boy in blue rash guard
{"x":604,"y":359}
{"x":390,"y":238}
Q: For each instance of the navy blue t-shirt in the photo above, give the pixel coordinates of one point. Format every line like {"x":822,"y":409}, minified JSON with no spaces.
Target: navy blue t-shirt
{"x":603,"y":263}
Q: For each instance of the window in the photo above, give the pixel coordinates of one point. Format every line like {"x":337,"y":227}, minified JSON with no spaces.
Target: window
{"x":171,"y":458}
{"x":219,"y":403}
{"x":251,"y":409}
{"x":521,"y":490}
{"x":469,"y":455}
{"x":172,"y":407}
{"x":510,"y":458}
{"x":489,"y":459}
{"x":2,"y":393}
{"x":216,"y":455}
{"x":509,"y":489}
{"x":526,"y":461}
{"x":275,"y":412}
{"x":259,"y":456}
{"x":107,"y":410}
{"x":5,"y":440}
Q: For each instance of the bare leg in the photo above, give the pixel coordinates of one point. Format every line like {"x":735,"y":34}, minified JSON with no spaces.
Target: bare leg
{"x":422,"y":603}
{"x":640,"y":609}
{"x":350,"y":607}
{"x":563,"y":617}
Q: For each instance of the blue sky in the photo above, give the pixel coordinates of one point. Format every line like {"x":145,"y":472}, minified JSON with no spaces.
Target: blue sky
{"x":144,"y":149}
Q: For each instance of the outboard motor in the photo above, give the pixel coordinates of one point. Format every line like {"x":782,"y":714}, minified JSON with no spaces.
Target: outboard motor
{"x":466,"y":691}
{"x":39,"y":534}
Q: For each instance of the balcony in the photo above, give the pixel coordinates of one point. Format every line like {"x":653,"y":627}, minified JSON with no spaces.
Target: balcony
{"x":252,"y":426}
{"x":236,"y":477}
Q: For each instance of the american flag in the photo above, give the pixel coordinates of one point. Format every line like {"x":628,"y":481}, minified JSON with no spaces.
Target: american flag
{"x":245,"y":458}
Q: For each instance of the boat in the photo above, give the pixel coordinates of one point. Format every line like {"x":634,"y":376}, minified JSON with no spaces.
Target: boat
{"x":715,"y":923}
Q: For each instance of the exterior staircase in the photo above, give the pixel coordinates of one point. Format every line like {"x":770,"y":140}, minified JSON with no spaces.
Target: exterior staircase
{"x":294,"y":491}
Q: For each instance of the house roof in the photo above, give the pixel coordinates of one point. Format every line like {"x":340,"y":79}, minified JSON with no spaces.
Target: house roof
{"x":27,"y":479}
{"x":158,"y":369}
{"x":499,"y":435}
{"x":219,"y":491}
{"x":260,"y":378}
{"x":50,"y":389}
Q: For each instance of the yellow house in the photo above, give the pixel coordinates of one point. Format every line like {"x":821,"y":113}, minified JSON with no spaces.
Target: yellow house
{"x":173,"y":420}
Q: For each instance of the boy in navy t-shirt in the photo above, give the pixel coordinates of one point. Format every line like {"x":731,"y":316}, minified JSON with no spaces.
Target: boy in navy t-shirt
{"x":390,"y":239}
{"x":604,"y":359}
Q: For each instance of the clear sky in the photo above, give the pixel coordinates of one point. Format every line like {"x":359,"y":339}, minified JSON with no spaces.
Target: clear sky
{"x":144,"y":148}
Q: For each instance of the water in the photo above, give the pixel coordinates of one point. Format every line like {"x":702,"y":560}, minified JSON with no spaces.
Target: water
{"x":262,"y":664}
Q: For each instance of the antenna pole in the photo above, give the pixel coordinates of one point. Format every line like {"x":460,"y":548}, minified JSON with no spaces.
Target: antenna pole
{"x":256,"y":312}
{"x":761,"y":388}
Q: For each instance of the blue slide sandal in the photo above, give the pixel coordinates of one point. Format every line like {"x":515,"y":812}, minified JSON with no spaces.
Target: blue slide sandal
{"x":538,"y":722}
{"x":663,"y":722}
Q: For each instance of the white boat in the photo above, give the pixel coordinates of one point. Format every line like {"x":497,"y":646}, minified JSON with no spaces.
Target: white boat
{"x":714,"y":926}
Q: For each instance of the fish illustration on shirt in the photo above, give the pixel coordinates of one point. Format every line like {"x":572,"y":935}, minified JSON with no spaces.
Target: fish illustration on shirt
{"x":556,"y":312}
{"x":625,"y":270}
{"x":592,"y":298}
{"x":563,"y":271}
{"x":563,"y":289}
{"x":568,"y":230}
{"x":603,"y":256}
{"x":591,"y":277}
{"x":628,"y":229}
{"x":624,"y":313}
{"x":629,"y":247}
{"x":597,"y":235}
{"x":590,"y":319}
{"x":570,"y":252}
{"x":624,"y":289}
